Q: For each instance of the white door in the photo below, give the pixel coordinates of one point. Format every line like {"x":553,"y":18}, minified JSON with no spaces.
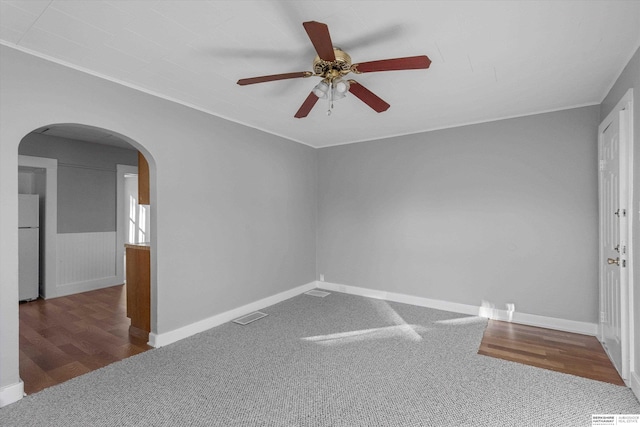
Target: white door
{"x":613,"y":247}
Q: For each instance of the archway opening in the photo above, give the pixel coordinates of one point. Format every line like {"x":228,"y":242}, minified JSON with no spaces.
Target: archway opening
{"x":77,"y":175}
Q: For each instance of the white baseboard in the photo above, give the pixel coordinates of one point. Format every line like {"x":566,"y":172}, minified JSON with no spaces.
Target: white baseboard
{"x":160,"y":340}
{"x":634,"y":383}
{"x":89,"y":285}
{"x":406,"y":299}
{"x":585,"y":328}
{"x":566,"y":325}
{"x":11,"y":393}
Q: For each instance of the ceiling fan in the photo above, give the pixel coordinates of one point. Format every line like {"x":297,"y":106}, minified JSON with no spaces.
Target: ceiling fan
{"x":332,"y":64}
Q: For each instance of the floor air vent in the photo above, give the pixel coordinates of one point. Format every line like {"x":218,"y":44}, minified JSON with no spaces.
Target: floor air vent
{"x":317,"y":293}
{"x":252,"y":317}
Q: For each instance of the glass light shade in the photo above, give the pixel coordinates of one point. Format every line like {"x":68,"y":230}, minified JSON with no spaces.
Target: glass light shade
{"x":338,"y":95}
{"x":321,"y":90}
{"x":341,"y":86}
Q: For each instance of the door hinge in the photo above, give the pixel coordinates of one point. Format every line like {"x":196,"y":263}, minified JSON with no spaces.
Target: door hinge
{"x":602,"y":164}
{"x":619,"y":249}
{"x":603,"y":317}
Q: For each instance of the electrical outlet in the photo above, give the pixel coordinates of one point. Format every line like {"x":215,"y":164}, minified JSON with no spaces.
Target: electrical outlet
{"x":322,"y":277}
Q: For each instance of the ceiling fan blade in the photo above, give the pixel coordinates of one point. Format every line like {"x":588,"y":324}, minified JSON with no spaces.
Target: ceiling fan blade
{"x":368,"y":97}
{"x":319,"y":35}
{"x":262,"y":79}
{"x":306,"y":106}
{"x":395,"y":64}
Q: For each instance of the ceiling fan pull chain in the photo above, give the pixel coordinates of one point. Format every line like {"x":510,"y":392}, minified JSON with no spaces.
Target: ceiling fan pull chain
{"x":330,"y":97}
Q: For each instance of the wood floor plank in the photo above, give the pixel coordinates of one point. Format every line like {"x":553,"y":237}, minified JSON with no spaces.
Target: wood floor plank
{"x":575,"y":354}
{"x":31,"y":374}
{"x":68,"y":371}
{"x":64,"y":337}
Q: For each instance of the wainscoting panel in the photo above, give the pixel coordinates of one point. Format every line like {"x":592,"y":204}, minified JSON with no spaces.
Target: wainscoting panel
{"x":86,"y":261}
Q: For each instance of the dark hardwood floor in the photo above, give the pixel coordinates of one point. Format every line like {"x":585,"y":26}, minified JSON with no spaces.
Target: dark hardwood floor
{"x":64,"y":337}
{"x":576,"y":354}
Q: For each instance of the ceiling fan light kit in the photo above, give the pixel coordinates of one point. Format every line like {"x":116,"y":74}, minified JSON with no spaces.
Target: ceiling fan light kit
{"x":332,"y":64}
{"x":321,"y":89}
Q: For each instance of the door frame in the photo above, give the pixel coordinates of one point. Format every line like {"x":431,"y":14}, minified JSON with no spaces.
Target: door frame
{"x":49,"y":287}
{"x":624,"y":108}
{"x":121,"y":171}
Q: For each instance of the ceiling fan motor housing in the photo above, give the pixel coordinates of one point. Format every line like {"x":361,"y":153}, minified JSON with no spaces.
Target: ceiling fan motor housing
{"x":330,"y":70}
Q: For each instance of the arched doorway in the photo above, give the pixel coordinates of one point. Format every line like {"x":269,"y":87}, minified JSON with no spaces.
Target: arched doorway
{"x":76,"y":172}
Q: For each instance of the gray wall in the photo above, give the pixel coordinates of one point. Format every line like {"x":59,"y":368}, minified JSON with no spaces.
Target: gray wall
{"x":233,"y":209}
{"x":630,"y":78}
{"x":86,"y":180}
{"x":501,"y":212}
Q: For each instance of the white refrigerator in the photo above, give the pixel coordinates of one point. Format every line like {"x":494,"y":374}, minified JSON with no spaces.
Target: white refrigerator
{"x":28,"y":246}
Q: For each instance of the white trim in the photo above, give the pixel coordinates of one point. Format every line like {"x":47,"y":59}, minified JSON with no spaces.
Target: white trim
{"x":628,"y":120}
{"x":585,"y":328}
{"x":121,"y":171}
{"x":403,"y":298}
{"x":558,"y":324}
{"x":89,"y":285}
{"x":160,"y":340}
{"x":634,"y":384}
{"x":49,"y":279}
{"x":11,"y":393}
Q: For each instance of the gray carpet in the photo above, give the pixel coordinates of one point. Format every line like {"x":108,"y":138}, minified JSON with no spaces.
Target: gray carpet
{"x":341,"y":360}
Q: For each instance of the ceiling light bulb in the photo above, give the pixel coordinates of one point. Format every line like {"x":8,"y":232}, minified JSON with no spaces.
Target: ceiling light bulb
{"x":320,"y":94}
{"x":341,"y":86}
{"x":321,"y":90}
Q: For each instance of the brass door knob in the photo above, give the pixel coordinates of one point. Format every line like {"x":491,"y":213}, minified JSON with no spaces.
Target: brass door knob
{"x":613,"y":261}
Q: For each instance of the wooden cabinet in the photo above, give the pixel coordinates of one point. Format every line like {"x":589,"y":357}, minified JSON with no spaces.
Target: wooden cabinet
{"x":139,"y":289}
{"x":143,"y":180}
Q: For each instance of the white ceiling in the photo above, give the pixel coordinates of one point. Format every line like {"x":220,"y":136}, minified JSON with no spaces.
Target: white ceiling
{"x":491,"y":59}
